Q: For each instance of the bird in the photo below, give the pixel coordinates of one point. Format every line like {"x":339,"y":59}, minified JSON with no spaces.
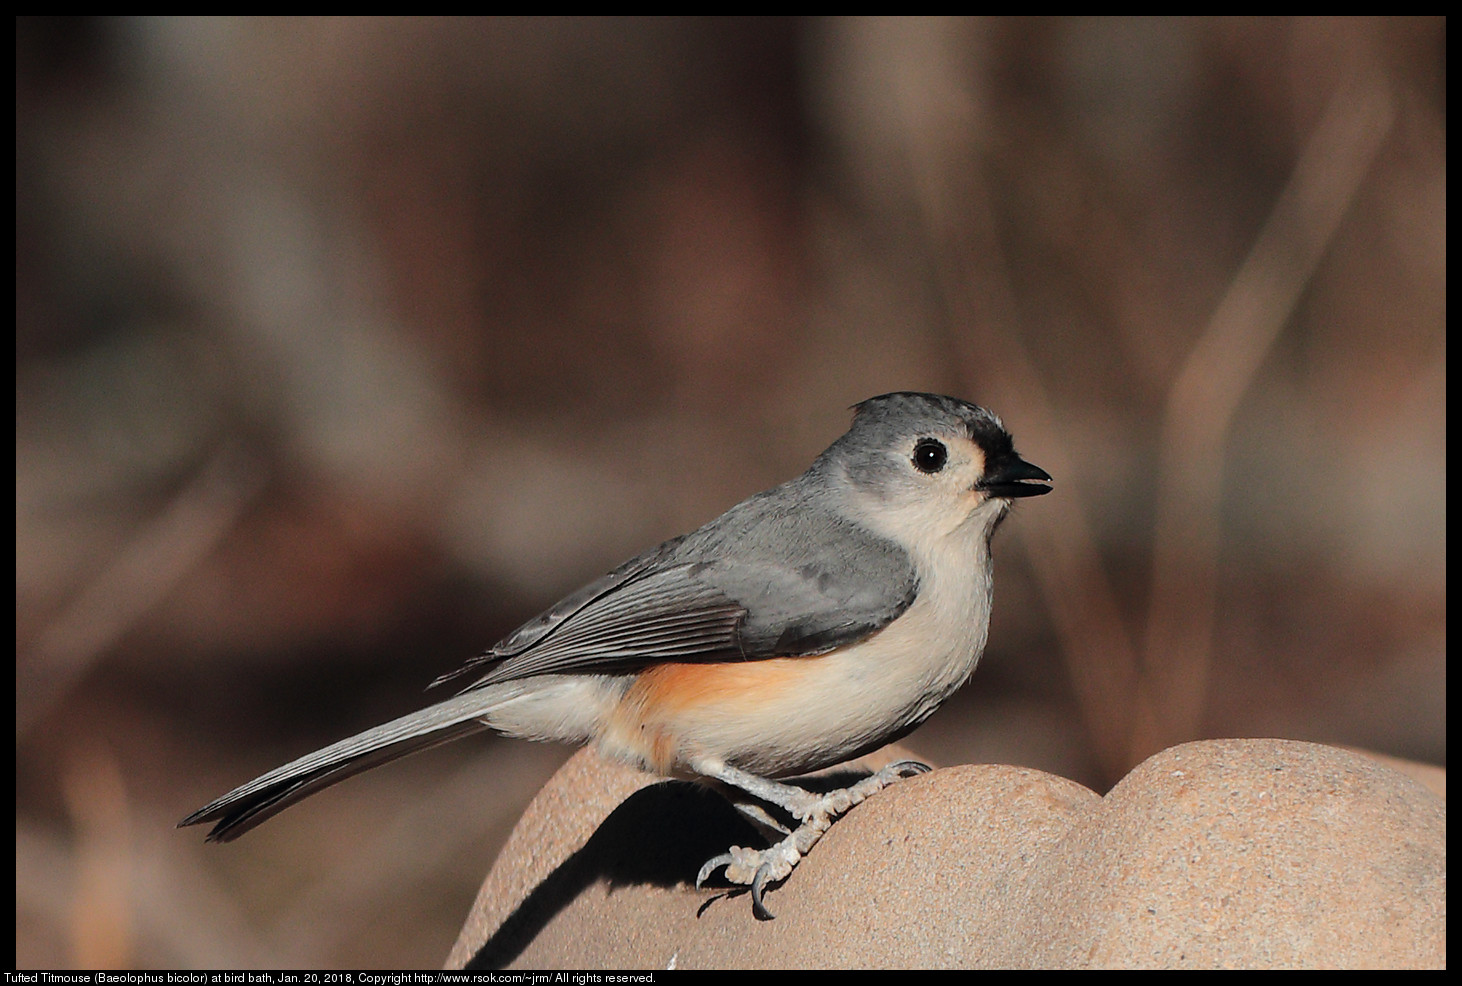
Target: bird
{"x":806,"y":626}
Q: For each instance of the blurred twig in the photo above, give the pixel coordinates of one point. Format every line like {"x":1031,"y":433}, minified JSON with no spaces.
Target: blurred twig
{"x":954,"y":204}
{"x":1207,"y":393}
{"x":155,"y":559}
{"x":101,"y":912}
{"x":1135,"y":702}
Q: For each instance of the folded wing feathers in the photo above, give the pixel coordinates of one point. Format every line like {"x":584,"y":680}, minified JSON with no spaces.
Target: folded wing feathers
{"x":667,"y":616}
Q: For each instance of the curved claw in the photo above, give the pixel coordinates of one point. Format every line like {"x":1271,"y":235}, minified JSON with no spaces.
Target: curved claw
{"x":758,"y":884}
{"x":712,"y":865}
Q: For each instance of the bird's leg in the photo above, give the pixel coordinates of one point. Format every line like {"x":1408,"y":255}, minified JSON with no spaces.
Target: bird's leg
{"x":761,"y":819}
{"x":815,"y":812}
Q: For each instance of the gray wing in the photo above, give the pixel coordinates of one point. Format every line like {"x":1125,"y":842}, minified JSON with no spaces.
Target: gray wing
{"x":523,"y":639}
{"x":773,"y":577}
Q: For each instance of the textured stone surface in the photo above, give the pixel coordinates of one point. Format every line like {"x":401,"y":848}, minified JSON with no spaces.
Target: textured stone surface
{"x":1232,"y":853}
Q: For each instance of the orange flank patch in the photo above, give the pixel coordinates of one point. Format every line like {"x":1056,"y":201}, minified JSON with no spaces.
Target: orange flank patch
{"x":671,"y":690}
{"x":650,"y":717}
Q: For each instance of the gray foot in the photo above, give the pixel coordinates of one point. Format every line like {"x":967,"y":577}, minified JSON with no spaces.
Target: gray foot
{"x":758,"y":867}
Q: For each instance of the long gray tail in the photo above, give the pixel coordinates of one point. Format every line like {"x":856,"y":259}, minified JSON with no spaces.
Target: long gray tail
{"x":266,"y":796}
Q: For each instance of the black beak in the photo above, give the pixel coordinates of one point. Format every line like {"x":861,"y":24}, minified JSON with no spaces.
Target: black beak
{"x":1011,"y":477}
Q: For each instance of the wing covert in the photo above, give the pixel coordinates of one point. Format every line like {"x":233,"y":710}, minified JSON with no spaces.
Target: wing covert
{"x":775,"y":576}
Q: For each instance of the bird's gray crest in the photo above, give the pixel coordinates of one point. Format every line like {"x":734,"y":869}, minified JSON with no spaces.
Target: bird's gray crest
{"x":891,"y":420}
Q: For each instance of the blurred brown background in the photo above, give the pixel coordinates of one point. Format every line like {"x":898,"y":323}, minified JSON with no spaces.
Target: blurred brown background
{"x":344,"y":346}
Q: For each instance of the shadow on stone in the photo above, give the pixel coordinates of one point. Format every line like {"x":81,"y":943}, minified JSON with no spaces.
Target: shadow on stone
{"x":660,"y":835}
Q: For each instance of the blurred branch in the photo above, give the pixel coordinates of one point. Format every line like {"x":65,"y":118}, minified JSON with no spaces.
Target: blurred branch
{"x":1134,"y":702}
{"x":1207,"y":393}
{"x":101,"y":914}
{"x":158,"y":556}
{"x":982,"y":328}
{"x":1096,"y":645}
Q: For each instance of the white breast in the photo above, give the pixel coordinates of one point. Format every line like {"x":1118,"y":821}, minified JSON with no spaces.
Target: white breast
{"x":825,"y":709}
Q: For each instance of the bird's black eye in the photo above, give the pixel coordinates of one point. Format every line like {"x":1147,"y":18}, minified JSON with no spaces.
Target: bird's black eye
{"x":930,"y":455}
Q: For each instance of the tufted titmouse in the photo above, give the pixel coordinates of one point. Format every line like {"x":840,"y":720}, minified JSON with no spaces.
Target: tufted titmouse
{"x":805,"y":626}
